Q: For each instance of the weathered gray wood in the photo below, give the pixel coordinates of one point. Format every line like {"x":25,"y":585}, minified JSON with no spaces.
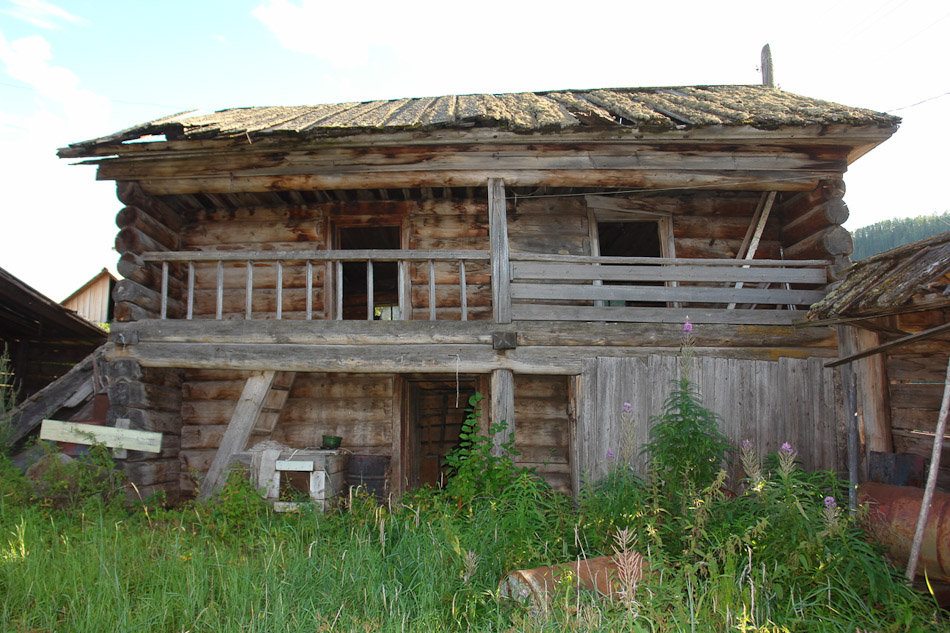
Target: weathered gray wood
{"x":502,"y":407}
{"x":274,"y":402}
{"x":380,"y":255}
{"x":833,"y":240}
{"x":500,"y":262}
{"x":666,"y":261}
{"x":531,"y":312}
{"x":432,"y":296}
{"x":931,"y":480}
{"x":129,"y":291}
{"x":78,"y":433}
{"x":245,"y":417}
{"x":575,"y":292}
{"x":471,"y":332}
{"x":682,"y":272}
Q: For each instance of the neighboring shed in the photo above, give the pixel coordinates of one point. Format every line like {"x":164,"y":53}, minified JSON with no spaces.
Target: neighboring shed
{"x":43,"y":338}
{"x":93,"y":300}
{"x":891,"y":310}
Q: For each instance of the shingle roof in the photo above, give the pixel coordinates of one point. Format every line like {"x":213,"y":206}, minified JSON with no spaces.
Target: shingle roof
{"x":909,"y":277}
{"x":655,"y":109}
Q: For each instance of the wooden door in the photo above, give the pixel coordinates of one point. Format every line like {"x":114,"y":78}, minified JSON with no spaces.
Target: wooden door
{"x":436,"y":411}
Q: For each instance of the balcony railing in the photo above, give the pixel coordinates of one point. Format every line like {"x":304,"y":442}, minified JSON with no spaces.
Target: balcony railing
{"x":332,"y":262}
{"x":581,"y":288}
{"x":543,"y":286}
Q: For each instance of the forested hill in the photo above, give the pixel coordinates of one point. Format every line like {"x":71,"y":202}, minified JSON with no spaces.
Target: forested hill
{"x":883,"y":236}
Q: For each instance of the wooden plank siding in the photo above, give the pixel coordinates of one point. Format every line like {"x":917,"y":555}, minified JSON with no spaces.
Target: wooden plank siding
{"x":767,"y":402}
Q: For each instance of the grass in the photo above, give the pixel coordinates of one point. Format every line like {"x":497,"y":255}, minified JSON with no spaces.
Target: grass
{"x":754,"y":563}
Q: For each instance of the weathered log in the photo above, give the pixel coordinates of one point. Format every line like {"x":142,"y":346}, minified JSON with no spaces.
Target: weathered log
{"x":833,"y":212}
{"x":165,"y":422}
{"x":129,"y":291}
{"x":154,"y":471}
{"x":801,"y":203}
{"x":132,"y":240}
{"x":125,"y":312}
{"x":127,"y":369}
{"x":134,"y":216}
{"x":834,"y":240}
{"x":143,"y":395}
{"x":132,"y":266}
{"x":131,"y":193}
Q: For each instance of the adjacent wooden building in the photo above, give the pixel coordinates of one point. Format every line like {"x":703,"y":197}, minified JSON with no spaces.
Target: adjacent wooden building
{"x":359,"y":269}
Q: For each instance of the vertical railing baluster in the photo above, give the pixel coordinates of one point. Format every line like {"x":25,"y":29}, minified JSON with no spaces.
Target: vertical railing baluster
{"x":463,"y":290}
{"x":309,"y":290}
{"x":249,"y":290}
{"x":369,"y":290}
{"x":431,"y":290}
{"x":280,"y":289}
{"x":164,"y":290}
{"x":191,"y":290}
{"x":404,"y":305}
{"x":220,"y":291}
{"x":339,"y":290}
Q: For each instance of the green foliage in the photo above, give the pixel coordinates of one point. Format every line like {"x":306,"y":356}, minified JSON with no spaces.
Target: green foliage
{"x":888,"y":234}
{"x":473,"y":467}
{"x":239,"y":507}
{"x":686,"y":448}
{"x":72,"y":484}
{"x":9,"y":390}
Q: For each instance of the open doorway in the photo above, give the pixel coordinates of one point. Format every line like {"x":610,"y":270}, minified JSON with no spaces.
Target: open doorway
{"x":355,"y":274}
{"x":435,"y":408}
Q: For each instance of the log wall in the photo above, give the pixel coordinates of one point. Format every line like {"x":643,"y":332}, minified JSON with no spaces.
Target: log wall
{"x":542,"y":428}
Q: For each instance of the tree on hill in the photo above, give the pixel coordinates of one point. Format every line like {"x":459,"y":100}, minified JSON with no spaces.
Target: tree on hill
{"x":883,"y":236}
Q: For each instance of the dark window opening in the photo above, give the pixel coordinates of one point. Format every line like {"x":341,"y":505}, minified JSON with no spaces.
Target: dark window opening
{"x":437,"y":409}
{"x":385,"y":274}
{"x":630,"y":239}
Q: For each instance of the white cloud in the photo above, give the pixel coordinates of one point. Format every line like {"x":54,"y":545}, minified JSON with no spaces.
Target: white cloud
{"x":42,"y":14}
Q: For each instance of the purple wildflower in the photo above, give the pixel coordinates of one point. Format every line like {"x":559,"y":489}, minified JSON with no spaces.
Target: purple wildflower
{"x":830,"y":503}
{"x":687,"y":327}
{"x":610,"y":454}
{"x":627,"y":407}
{"x":787,"y":448}
{"x":747,"y":444}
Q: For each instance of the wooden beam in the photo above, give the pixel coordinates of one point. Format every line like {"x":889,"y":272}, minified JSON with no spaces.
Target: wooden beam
{"x":245,"y":417}
{"x":112,"y":437}
{"x":750,"y":242}
{"x":502,"y":408}
{"x":500,"y":263}
{"x":884,"y":347}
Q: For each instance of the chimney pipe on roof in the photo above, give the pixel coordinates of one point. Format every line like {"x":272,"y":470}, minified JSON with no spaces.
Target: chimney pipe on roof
{"x":767,"y":77}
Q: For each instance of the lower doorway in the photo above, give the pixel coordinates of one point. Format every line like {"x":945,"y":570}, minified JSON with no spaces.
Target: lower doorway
{"x":435,"y":410}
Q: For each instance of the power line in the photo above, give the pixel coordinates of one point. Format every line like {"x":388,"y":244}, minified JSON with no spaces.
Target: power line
{"x":914,"y":105}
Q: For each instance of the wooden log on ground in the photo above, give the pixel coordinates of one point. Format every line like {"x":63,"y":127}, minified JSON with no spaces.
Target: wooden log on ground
{"x":135,"y":217}
{"x":833,"y":241}
{"x":833,"y":212}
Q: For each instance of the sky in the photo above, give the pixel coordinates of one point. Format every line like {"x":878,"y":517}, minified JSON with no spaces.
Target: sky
{"x":74,"y":70}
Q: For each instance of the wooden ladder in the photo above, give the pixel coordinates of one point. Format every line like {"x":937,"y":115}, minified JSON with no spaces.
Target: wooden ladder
{"x":258,"y":410}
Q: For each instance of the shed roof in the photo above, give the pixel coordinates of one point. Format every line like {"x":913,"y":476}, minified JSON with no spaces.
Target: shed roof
{"x":27,"y":313}
{"x":654,"y":109}
{"x":904,"y":279}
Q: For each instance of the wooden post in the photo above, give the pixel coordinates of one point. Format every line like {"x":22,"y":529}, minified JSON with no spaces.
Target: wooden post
{"x":463,"y":298}
{"x":500,"y":264}
{"x":502,"y":407}
{"x":931,"y":479}
{"x":243,"y":420}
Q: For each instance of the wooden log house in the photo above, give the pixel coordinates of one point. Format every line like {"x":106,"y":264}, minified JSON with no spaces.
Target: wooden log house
{"x":359,"y":269}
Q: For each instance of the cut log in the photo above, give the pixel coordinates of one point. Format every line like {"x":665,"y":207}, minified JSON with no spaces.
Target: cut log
{"x":834,"y":240}
{"x":132,"y":240}
{"x":131,"y":193}
{"x":132,"y":266}
{"x":135,"y":217}
{"x":828,"y":214}
{"x":131,"y":292}
{"x":800,"y":203}
{"x":142,"y":395}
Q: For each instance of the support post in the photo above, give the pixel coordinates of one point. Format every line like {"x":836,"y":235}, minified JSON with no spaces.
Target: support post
{"x":239,"y":429}
{"x":502,"y":407}
{"x":500,"y":263}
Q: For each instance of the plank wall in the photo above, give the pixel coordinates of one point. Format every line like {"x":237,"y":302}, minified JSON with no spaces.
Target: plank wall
{"x":542,"y":428}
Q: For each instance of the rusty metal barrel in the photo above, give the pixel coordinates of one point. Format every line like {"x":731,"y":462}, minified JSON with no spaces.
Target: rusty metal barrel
{"x":599,"y":574}
{"x":892,"y":520}
{"x":370,"y":472}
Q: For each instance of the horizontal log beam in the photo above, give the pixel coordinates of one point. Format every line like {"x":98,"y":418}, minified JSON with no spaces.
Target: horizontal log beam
{"x":464,"y":333}
{"x":632,"y":178}
{"x":409,"y":358}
